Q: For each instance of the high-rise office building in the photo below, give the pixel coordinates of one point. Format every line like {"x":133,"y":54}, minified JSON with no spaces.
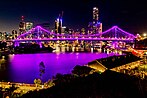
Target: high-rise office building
{"x":100,"y":28}
{"x":58,"y":24}
{"x":95,"y":15}
{"x":22,"y":27}
{"x":14,"y":34}
{"x":95,"y":20}
{"x":95,"y":26}
{"x":28,"y":25}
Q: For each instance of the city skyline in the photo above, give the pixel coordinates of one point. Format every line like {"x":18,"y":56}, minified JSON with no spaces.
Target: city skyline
{"x":131,"y":16}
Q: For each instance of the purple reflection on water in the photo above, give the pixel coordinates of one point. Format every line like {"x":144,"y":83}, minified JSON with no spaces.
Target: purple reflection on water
{"x":25,"y":67}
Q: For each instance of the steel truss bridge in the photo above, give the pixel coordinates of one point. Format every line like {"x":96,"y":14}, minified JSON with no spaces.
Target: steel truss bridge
{"x":40,"y":34}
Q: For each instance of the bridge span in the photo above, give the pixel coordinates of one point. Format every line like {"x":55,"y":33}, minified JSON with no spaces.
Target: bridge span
{"x":39,"y":35}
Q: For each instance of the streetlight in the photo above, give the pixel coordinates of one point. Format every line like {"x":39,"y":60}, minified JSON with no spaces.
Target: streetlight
{"x":144,"y":35}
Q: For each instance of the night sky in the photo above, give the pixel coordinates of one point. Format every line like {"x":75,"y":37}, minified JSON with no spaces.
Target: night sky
{"x":130,"y":15}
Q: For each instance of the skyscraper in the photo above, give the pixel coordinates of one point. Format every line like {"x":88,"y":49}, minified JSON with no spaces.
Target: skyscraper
{"x":22,"y":26}
{"x":95,"y":15}
{"x":95,"y":20}
{"x":95,"y":26}
{"x":58,"y":24}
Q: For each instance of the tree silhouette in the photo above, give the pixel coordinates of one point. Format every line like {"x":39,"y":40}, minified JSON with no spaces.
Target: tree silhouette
{"x":37,"y":82}
{"x":41,"y":69}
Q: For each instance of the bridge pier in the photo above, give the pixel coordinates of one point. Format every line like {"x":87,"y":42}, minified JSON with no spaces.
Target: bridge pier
{"x":16,"y":44}
{"x":40,"y":44}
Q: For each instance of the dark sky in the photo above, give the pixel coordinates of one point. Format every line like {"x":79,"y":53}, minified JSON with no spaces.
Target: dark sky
{"x":130,"y":15}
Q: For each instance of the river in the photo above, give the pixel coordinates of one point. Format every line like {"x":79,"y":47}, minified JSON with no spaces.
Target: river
{"x":24,"y":68}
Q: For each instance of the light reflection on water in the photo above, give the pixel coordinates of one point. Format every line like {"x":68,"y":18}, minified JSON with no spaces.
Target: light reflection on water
{"x":25,"y":67}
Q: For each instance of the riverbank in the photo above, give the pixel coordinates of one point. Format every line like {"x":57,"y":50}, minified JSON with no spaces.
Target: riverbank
{"x":18,"y":88}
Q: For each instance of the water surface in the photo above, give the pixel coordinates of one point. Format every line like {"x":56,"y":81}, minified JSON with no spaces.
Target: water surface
{"x":25,"y":67}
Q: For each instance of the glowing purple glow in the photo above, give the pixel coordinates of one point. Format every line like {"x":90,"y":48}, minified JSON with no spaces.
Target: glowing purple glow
{"x":106,"y":31}
{"x":26,"y":33}
{"x":72,"y":39}
{"x":33,"y":29}
{"x":125,"y":32}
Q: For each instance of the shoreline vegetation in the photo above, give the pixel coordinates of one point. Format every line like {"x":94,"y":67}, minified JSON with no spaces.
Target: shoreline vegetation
{"x":23,"y":48}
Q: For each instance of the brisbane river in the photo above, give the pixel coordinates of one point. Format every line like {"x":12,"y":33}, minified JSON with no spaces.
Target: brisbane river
{"x":24,"y":68}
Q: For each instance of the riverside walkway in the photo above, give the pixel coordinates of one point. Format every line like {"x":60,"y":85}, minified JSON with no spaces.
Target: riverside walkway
{"x":21,"y":87}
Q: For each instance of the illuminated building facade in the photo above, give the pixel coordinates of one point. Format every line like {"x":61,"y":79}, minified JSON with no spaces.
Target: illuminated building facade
{"x":28,"y":26}
{"x":25,"y":26}
{"x":58,"y":25}
{"x":63,"y":29}
{"x":95,"y":20}
{"x":95,"y":15}
{"x":95,"y":26}
{"x":22,"y":27}
{"x":14,"y":34}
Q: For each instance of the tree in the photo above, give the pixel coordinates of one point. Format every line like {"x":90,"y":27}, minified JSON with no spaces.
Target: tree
{"x":49,"y":83}
{"x":10,"y":90}
{"x":37,"y":82}
{"x":41,"y":69}
{"x":81,"y":70}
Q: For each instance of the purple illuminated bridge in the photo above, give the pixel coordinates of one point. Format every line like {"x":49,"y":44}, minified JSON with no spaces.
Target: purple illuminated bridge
{"x":40,"y":34}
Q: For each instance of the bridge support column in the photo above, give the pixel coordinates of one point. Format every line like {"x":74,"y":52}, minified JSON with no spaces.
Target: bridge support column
{"x":16,"y":44}
{"x":91,"y":46}
{"x":40,"y":44}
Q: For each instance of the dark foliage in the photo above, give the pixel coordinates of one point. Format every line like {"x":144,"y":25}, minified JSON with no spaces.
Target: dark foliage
{"x":106,"y":85}
{"x":81,"y":70}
